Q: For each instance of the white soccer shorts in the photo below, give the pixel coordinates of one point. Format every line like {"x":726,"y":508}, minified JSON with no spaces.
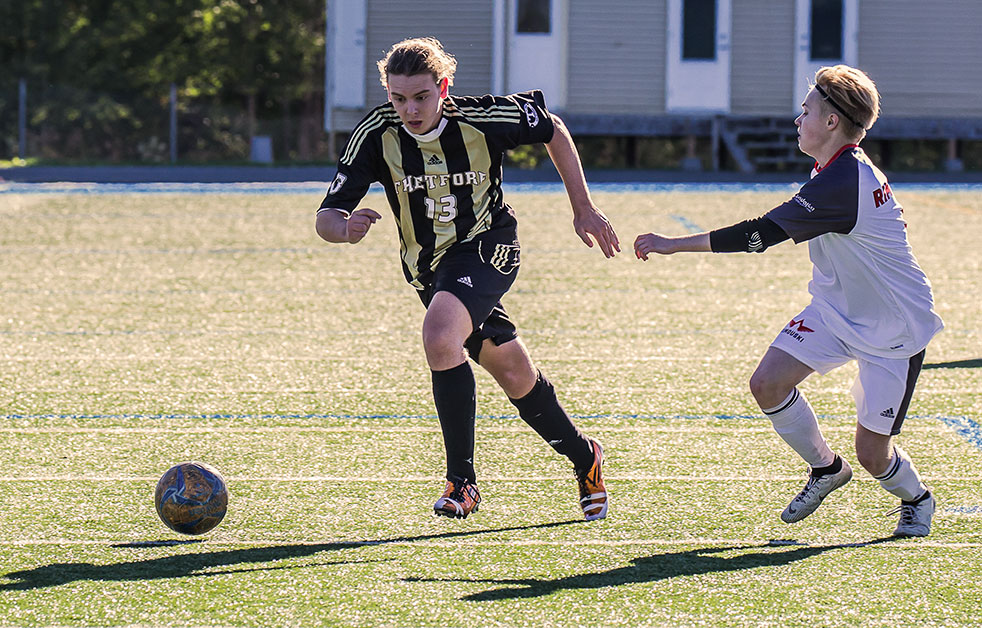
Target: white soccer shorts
{"x":882,"y":389}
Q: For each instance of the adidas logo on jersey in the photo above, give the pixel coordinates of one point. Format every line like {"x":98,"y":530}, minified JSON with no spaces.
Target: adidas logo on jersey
{"x":466,"y":281}
{"x":434,"y":161}
{"x":888,"y":413}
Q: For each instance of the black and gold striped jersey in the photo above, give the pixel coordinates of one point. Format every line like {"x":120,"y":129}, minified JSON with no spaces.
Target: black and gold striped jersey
{"x":444,"y":187}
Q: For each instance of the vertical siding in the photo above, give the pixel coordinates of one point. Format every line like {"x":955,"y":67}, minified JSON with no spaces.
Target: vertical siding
{"x":465,"y":28}
{"x":925,"y":57}
{"x":762,"y":57}
{"x":616,"y":56}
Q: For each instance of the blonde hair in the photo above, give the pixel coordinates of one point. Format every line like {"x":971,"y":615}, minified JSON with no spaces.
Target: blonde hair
{"x":850,"y":92}
{"x":418,"y":55}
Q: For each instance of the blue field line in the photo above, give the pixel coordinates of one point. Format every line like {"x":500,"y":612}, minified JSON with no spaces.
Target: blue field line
{"x":964,"y":427}
{"x":318,"y":188}
{"x":964,"y":510}
{"x":298,"y":332}
{"x":96,"y":189}
{"x":688,"y":224}
{"x":241,"y":250}
{"x":206,"y":417}
{"x":660,"y":333}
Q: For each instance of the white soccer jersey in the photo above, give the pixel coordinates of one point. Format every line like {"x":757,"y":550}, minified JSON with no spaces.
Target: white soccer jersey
{"x":866,"y":283}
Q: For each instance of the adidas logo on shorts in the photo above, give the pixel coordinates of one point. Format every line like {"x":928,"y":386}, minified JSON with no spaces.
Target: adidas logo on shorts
{"x":466,"y":281}
{"x":888,"y":413}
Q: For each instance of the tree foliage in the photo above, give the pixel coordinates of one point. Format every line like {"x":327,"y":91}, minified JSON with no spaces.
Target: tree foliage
{"x":102,"y":64}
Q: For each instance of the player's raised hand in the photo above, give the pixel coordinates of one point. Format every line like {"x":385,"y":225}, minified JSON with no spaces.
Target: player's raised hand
{"x":359,"y":222}
{"x":652,"y":243}
{"x":594,"y":223}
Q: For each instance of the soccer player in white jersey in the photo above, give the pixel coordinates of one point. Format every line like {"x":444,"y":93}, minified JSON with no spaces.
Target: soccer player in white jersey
{"x":871,"y":302}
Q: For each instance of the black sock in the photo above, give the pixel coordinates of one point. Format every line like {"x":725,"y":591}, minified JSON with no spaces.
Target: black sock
{"x":453,"y":393}
{"x":916,"y":501}
{"x":835,"y":467}
{"x":541,"y":410}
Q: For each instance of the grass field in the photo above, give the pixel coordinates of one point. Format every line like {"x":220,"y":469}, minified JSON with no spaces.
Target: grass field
{"x":138,"y":331}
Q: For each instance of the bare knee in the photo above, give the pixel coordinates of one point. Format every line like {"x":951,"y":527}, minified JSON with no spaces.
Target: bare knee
{"x":443,"y":350}
{"x":516,"y":383}
{"x":511,"y":367}
{"x":875,"y":464}
{"x":445,"y":328}
{"x":873,"y":451}
{"x":775,"y":378}
{"x":768,"y":391}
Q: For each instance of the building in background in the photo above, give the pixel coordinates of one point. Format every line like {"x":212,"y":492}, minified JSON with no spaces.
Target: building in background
{"x":732,"y":71}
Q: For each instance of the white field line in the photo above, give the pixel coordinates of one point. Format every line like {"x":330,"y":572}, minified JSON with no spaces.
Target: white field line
{"x":742,"y":544}
{"x":734,"y":427}
{"x":566,"y":390}
{"x":642,"y":477}
{"x":331,"y":358}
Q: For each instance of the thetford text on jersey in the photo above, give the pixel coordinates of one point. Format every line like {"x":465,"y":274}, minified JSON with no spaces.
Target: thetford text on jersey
{"x":433,"y":181}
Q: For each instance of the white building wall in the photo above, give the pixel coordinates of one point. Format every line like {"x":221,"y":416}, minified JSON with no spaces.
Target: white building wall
{"x":762,"y":58}
{"x":925,"y":57}
{"x":464,"y":27}
{"x":616,"y":57}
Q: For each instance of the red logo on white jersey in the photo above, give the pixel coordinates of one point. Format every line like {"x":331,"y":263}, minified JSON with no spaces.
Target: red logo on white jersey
{"x":800,"y":325}
{"x":882,"y":194}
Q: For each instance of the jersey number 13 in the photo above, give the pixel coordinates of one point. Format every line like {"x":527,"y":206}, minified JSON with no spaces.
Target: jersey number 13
{"x":446,"y":211}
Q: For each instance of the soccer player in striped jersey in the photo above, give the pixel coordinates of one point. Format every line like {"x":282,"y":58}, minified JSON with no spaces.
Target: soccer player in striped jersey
{"x":871,"y":302}
{"x":438,"y":158}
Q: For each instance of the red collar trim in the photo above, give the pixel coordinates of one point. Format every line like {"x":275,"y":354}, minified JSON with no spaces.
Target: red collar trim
{"x":819,"y":168}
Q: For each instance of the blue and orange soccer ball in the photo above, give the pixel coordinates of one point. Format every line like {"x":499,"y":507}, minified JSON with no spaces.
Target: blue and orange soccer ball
{"x":191,"y":498}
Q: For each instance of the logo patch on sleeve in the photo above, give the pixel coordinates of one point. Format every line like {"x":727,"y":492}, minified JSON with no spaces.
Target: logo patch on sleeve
{"x":531,"y":115}
{"x":339,"y":180}
{"x":798,"y":198}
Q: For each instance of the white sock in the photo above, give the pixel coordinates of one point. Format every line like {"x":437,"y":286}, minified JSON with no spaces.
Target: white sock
{"x":901,"y":478}
{"x":796,"y":423}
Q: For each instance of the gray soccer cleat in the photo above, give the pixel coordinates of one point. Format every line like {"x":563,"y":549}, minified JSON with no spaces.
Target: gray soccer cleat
{"x":915,"y":518}
{"x":817,"y":489}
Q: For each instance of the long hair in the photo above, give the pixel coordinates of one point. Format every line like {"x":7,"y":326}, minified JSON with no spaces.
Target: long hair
{"x":419,"y":55}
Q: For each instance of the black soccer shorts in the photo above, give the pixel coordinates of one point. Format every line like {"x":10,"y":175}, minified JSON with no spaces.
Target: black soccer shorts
{"x":479,"y":273}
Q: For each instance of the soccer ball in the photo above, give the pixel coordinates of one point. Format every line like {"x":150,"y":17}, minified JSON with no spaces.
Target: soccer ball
{"x":191,"y":498}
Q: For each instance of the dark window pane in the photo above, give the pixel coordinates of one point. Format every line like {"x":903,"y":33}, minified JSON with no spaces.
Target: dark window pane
{"x":699,"y":29}
{"x":533,"y":16}
{"x":826,"y":40}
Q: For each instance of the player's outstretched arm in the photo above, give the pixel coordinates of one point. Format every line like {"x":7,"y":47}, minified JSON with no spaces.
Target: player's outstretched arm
{"x":335,"y":226}
{"x":666,"y":245}
{"x":749,"y":236}
{"x":588,"y":220}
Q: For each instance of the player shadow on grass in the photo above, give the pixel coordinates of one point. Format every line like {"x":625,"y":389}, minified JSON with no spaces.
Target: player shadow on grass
{"x":957,"y":364}
{"x":192,"y":565}
{"x":652,"y":568}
